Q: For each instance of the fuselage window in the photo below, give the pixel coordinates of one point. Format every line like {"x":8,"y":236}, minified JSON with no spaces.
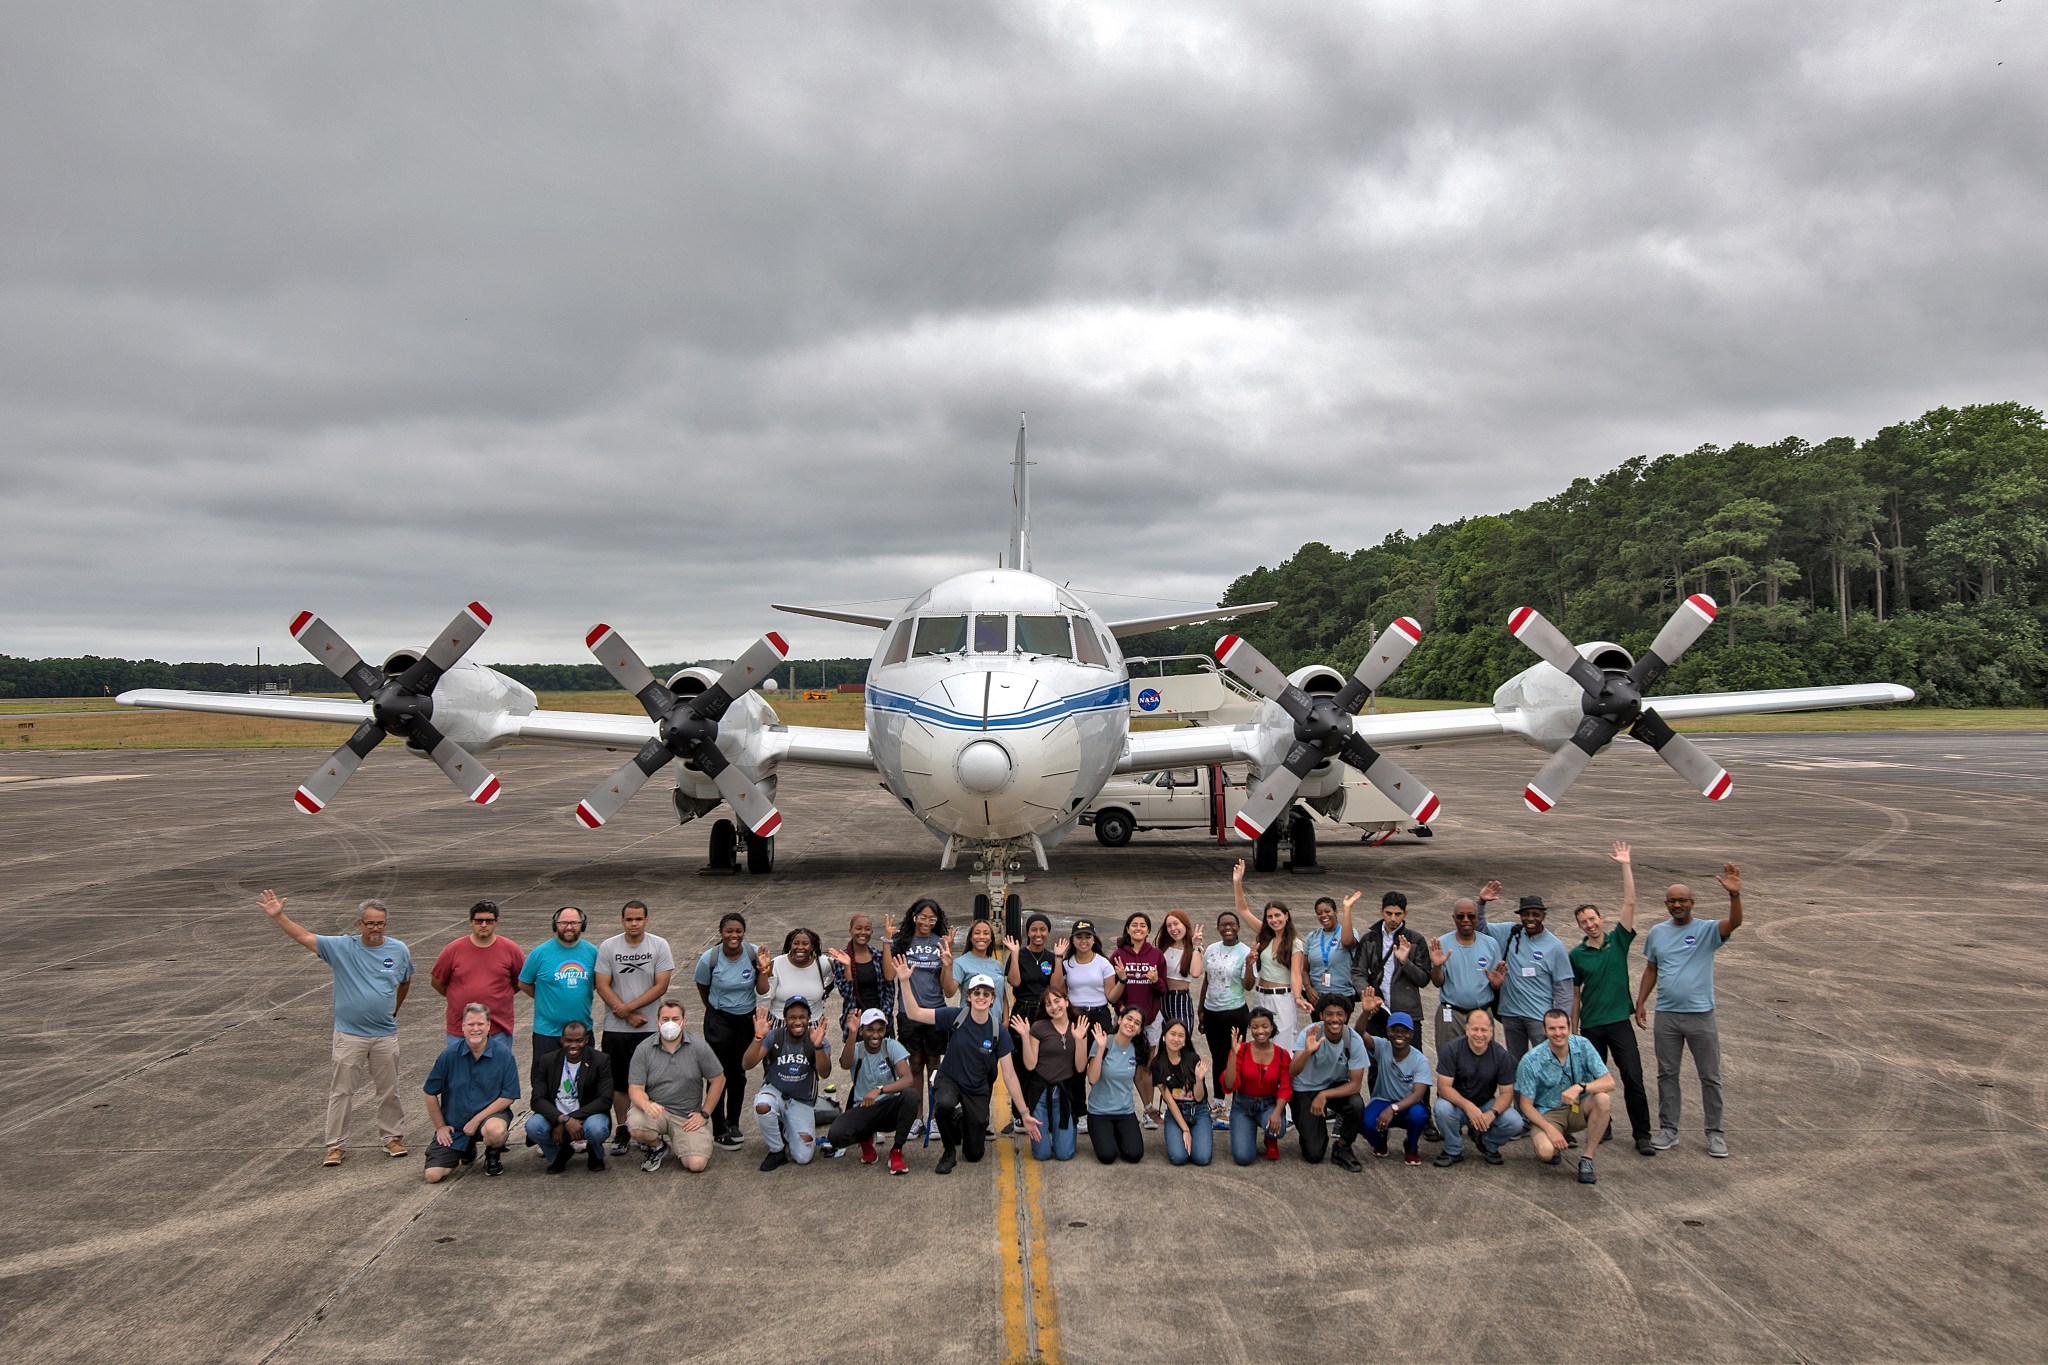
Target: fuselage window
{"x":1090,"y":647}
{"x":991,"y":634}
{"x":899,"y":645}
{"x":1045,"y":635}
{"x":941,"y":635}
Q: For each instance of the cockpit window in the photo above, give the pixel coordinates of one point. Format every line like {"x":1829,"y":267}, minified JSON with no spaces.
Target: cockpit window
{"x":1052,"y":635}
{"x":1091,"y":648}
{"x":941,"y":635}
{"x":991,"y":634}
{"x":899,"y":645}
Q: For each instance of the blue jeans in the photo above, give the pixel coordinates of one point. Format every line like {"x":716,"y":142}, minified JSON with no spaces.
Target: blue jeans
{"x":1054,"y":1141}
{"x":1247,"y":1119}
{"x":786,"y":1125}
{"x":1414,"y":1118}
{"x":1200,"y":1144}
{"x":596,"y":1129}
{"x":1452,"y":1123}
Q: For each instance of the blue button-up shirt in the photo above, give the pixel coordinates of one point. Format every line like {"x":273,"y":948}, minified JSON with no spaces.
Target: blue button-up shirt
{"x":466,"y":1083}
{"x":1544,"y":1079}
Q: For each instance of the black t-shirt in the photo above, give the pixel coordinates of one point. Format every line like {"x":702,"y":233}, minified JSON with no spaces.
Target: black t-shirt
{"x":972,"y":1050}
{"x":1034,"y":974}
{"x":867,"y":983}
{"x":1478,"y":1078}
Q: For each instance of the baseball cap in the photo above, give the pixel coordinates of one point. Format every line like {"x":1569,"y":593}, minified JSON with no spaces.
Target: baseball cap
{"x":1403,"y":1018}
{"x":872,"y":1017}
{"x":981,"y":981}
{"x":1084,"y":926}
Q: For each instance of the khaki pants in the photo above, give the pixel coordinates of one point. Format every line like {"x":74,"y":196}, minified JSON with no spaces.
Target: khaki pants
{"x":358,"y":1059}
{"x":683,"y":1142}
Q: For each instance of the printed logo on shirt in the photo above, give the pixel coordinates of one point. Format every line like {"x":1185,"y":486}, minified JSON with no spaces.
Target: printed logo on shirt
{"x":571,"y":974}
{"x":390,"y":962}
{"x":1690,"y":939}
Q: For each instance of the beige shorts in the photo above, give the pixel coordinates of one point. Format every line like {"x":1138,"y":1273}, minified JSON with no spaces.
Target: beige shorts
{"x":683,"y":1142}
{"x":1567,"y":1119}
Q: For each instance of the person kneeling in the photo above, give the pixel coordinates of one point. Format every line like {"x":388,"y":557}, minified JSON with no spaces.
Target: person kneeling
{"x":1400,"y":1089}
{"x":1329,"y":1071}
{"x":572,"y":1100}
{"x":977,"y":1050}
{"x":786,"y":1108}
{"x":1564,"y":1088}
{"x":883,"y":1092}
{"x":469,"y":1093}
{"x":673,"y":1086}
{"x":1113,"y":1128}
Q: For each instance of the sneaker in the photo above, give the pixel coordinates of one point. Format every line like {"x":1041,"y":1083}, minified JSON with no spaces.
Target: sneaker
{"x":1494,"y":1158}
{"x":918,"y":1127}
{"x":494,"y":1161}
{"x":594,"y":1158}
{"x":579,"y":1145}
{"x":1716,"y":1145}
{"x":653,"y":1158}
{"x":1446,"y":1159}
{"x":1150,"y":1124}
{"x":1644,"y":1147}
{"x":1272,"y":1149}
{"x":561,"y":1161}
{"x":1342,"y":1156}
{"x":1222,"y":1124}
{"x":945,"y":1166}
{"x":622,"y":1141}
{"x":1378,"y":1149}
{"x":1412,"y":1157}
{"x":395,"y":1147}
{"x":334,"y":1156}
{"x":1586,"y":1176}
{"x":774,"y":1161}
{"x":1664,"y":1141}
{"x":1430,"y":1134}
{"x":730,"y":1141}
{"x":826,"y":1149}
{"x":1556,"y":1158}
{"x":1081,"y":1127}
{"x":897,"y":1165}
{"x":867,"y":1151}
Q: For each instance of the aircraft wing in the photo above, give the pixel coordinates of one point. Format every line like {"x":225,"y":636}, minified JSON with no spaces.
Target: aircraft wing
{"x":1190,"y":746}
{"x":1703,"y":705}
{"x":332,"y":710}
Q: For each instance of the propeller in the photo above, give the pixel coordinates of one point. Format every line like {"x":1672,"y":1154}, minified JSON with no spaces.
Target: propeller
{"x":1615,"y":700}
{"x":402,"y":705}
{"x":684,"y":730}
{"x":1323,"y":731}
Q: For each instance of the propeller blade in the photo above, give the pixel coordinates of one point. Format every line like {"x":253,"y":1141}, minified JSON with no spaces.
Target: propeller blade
{"x":325,"y":644}
{"x":624,"y":665}
{"x":1553,"y":778}
{"x":448,"y":648}
{"x":1685,"y":627}
{"x":1269,"y":800}
{"x":1260,"y":673}
{"x":748,"y":672}
{"x":738,"y":789}
{"x":1686,"y":758}
{"x":1529,"y":626}
{"x":470,"y":777}
{"x":615,"y":791}
{"x":1394,"y":646}
{"x":1395,"y":782}
{"x":321,"y":787}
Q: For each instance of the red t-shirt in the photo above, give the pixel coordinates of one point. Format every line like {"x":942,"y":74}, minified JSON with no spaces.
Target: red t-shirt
{"x":1144,"y":972}
{"x":489,"y":975}
{"x":1272,"y":1081}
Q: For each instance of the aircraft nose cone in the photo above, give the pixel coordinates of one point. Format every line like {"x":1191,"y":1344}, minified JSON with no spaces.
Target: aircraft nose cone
{"x":984,"y":767}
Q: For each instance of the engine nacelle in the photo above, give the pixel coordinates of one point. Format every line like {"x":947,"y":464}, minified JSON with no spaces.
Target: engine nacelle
{"x":472,"y":702}
{"x":1318,"y":680}
{"x":1546,"y":705}
{"x":691,"y":682}
{"x":739,"y":735}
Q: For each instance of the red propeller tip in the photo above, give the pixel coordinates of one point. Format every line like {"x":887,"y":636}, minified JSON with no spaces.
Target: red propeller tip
{"x":1536,"y":800}
{"x":597,"y":632}
{"x":1703,"y":604}
{"x":768,"y":826}
{"x":299,"y":623}
{"x":1519,"y":619}
{"x":306,"y":801}
{"x":480,"y":612}
{"x":1409,"y":627}
{"x":486,"y":793}
{"x":781,"y":645}
{"x":587,"y":815}
{"x":1430,"y":810}
{"x":1246,"y":828}
{"x":1224,"y":646}
{"x":1722,"y":786}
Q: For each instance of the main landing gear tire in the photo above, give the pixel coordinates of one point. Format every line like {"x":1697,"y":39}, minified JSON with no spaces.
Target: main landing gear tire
{"x":1013,"y":917}
{"x":724,"y":851}
{"x":1113,"y":828}
{"x":1301,"y":843}
{"x":760,"y":852}
{"x":1266,"y":850}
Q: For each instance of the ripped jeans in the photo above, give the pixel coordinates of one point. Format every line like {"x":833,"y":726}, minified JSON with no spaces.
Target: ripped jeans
{"x":788,"y":1126}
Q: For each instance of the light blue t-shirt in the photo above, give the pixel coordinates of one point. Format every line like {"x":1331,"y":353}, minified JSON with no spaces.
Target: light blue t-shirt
{"x":1465,"y":985}
{"x":366,"y":982}
{"x":968,"y":967}
{"x":1331,"y":1064}
{"x":1539,"y":971}
{"x":1114,"y":1093}
{"x":1395,"y":1078}
{"x":564,"y":982}
{"x":1326,"y":962}
{"x":731,"y":980}
{"x":873,"y":1070}
{"x":1684,"y":954}
{"x":1543,"y":1078}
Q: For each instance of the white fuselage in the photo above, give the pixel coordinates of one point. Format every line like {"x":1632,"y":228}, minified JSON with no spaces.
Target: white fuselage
{"x":996,"y":707}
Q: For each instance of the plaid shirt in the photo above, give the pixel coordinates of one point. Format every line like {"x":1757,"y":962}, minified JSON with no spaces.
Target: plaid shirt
{"x":842,"y":981}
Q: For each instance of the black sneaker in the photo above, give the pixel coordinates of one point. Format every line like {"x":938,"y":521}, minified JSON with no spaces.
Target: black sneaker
{"x":1446,"y":1159}
{"x":774,"y":1161}
{"x":1586,"y":1176}
{"x":622,"y":1141}
{"x":493,"y":1163}
{"x":1342,"y":1155}
{"x":1494,"y":1158}
{"x":730,"y":1141}
{"x":945,"y":1166}
{"x":561,"y":1161}
{"x":1430,"y":1134}
{"x":595,"y":1158}
{"x":1644,"y":1147}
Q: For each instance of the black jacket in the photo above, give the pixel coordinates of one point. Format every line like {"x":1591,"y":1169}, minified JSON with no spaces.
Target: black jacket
{"x":593,"y":1085}
{"x":1369,"y":963}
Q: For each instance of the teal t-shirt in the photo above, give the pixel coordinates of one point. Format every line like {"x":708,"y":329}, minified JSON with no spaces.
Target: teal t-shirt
{"x":1393,"y":1078}
{"x":1539,"y":971}
{"x":1115,"y":1093}
{"x":970,"y":965}
{"x":1331,"y":1064}
{"x":1544,"y":1079}
{"x":366,"y":982}
{"x":1327,"y":962}
{"x":1465,"y":983}
{"x":730,"y":980}
{"x":1684,"y":955}
{"x":873,"y":1070}
{"x":564,"y":982}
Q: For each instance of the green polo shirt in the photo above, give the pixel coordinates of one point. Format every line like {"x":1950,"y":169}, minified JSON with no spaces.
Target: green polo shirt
{"x":1603,"y":979}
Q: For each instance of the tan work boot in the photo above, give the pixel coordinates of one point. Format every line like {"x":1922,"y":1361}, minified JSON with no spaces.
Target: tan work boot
{"x":334,"y":1155}
{"x":395,"y":1148}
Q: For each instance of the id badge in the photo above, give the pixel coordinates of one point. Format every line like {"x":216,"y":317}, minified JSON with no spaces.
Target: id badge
{"x":1447,"y":1015}
{"x":1528,"y":971}
{"x":1326,"y":981}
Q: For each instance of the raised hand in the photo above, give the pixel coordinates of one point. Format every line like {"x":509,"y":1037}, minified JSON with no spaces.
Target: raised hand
{"x":1353,"y":899}
{"x":1498,"y":974}
{"x":1401,"y":950}
{"x":899,"y":966}
{"x":762,"y":962}
{"x":1437,"y":956}
{"x":888,"y":927}
{"x":1236,"y":1040}
{"x":1100,"y":1037}
{"x":1730,"y":879}
{"x":1198,"y":937}
{"x":1059,"y":947}
{"x":1201,"y":1067}
{"x":760,"y":1025}
{"x":1372,"y":999}
{"x":272,"y":904}
{"x":849,"y":1024}
{"x":1010,"y":945}
{"x":1080,"y":1031}
{"x":1620,"y":854}
{"x":1315,"y":1040}
{"x":817,"y":1033}
{"x":1237,"y":873}
{"x":1017,"y":1024}
{"x":1490,"y":891}
{"x":946,"y":950}
{"x":839,"y":956}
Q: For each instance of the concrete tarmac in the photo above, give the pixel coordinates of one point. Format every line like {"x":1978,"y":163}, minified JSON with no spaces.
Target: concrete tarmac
{"x":159,"y":1129}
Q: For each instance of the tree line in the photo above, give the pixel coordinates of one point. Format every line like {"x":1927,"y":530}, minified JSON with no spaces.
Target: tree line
{"x":91,"y":676}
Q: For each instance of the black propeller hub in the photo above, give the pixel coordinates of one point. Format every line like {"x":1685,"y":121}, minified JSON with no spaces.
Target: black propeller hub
{"x":683,"y":731}
{"x":1618,"y":700}
{"x":1325,"y":726}
{"x":397,"y":710}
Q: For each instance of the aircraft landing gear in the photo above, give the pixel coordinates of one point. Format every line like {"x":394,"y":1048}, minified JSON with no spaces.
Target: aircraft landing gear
{"x":1013,"y":915}
{"x":1266,"y":850}
{"x":760,"y":852}
{"x":1301,"y":845}
{"x":724,"y":850}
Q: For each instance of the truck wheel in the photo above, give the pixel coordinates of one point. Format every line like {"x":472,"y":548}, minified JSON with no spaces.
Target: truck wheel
{"x":760,"y":852}
{"x":1113,"y":828}
{"x":1266,"y":850}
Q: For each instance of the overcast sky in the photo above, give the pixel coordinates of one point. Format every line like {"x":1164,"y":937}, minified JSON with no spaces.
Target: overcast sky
{"x":656,"y":313}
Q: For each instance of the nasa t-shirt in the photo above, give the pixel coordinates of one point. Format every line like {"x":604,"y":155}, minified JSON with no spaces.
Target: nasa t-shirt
{"x":792,"y":1065}
{"x":366,"y":982}
{"x":1684,"y":956}
{"x":925,"y":959}
{"x":972,"y":1050}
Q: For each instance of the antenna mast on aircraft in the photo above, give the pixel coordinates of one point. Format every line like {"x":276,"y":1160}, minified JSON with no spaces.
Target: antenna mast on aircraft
{"x":1020,"y":507}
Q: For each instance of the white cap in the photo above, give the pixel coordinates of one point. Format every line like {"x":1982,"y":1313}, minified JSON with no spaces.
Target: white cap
{"x":872,"y":1017}
{"x":981,"y":981}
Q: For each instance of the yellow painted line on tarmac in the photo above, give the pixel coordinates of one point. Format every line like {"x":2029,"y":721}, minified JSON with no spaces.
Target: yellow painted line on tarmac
{"x":1030,"y":1318}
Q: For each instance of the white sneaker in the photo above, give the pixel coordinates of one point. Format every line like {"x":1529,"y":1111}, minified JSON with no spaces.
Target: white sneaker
{"x":1150,"y":1124}
{"x":1082,"y":1126}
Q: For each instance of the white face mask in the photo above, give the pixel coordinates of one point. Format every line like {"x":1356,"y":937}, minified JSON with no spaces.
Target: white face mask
{"x":670,"y":1030}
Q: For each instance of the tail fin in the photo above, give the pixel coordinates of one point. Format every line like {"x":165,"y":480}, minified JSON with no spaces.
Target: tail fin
{"x":1020,"y":507}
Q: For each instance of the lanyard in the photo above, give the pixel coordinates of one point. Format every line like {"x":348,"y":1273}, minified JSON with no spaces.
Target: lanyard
{"x":1329,"y":941}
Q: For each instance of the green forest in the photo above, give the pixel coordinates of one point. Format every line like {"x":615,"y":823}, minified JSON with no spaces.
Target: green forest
{"x":1917,"y":556}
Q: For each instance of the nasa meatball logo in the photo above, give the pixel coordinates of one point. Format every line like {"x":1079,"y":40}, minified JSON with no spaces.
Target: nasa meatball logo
{"x":1148,"y":700}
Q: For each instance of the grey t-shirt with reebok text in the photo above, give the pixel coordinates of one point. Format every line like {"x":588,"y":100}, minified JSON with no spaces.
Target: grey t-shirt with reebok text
{"x":632,"y":970}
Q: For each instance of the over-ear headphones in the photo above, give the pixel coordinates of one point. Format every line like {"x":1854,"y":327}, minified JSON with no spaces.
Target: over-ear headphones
{"x":555,"y":924}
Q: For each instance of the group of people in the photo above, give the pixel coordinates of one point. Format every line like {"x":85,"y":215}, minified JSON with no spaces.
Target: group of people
{"x":1320,"y":1030}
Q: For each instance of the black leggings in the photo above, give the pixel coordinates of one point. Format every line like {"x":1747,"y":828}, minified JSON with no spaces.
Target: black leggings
{"x":963,"y":1118}
{"x":857,"y":1125}
{"x":730,"y":1035}
{"x":1216,"y":1027}
{"x":1116,"y":1136}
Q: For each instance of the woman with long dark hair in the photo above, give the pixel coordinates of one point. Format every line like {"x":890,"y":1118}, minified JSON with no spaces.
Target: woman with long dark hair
{"x":1052,"y":1047}
{"x":1278,"y":958}
{"x":924,"y":941}
{"x":725,"y":979}
{"x":1260,"y":1082}
{"x":860,"y":976}
{"x":1112,"y":1098}
{"x":1180,"y":1079}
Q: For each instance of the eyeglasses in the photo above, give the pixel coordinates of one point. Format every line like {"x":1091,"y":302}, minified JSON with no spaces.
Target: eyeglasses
{"x":483,"y":919}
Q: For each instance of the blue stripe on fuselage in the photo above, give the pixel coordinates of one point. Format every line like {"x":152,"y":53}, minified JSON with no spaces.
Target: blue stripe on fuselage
{"x":1116,"y":696}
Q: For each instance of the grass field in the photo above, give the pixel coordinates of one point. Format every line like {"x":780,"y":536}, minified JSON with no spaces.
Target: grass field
{"x":95,"y":723}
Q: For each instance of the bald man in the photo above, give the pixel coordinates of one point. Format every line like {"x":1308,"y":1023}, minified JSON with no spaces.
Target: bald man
{"x":1678,"y":964}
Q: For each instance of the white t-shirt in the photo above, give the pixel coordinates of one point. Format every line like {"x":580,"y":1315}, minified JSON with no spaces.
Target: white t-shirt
{"x":1223,"y":975}
{"x":787,"y":981}
{"x":1086,"y":981}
